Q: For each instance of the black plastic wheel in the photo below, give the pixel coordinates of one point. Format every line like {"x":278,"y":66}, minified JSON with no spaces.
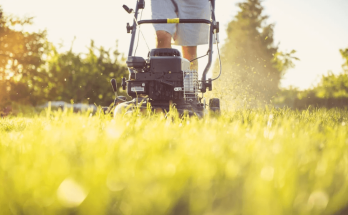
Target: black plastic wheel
{"x":214,"y":104}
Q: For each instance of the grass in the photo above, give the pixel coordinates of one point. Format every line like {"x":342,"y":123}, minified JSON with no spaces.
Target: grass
{"x":245,"y":162}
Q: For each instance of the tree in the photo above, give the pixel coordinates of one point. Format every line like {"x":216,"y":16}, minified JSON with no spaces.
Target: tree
{"x":252,"y":65}
{"x":33,"y":72}
{"x":335,"y":86}
{"x":20,"y":57}
{"x":344,"y":53}
{"x":331,"y":91}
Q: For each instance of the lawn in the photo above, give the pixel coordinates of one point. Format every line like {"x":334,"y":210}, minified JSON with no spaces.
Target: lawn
{"x":273,"y":161}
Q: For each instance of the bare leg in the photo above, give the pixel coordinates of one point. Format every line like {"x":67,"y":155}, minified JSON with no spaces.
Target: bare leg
{"x":190,"y":53}
{"x":163,"y":39}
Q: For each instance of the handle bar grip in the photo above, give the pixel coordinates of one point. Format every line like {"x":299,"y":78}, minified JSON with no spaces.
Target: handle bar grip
{"x":141,"y":4}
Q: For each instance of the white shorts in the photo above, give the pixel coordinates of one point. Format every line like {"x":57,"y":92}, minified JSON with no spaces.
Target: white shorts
{"x":183,"y":34}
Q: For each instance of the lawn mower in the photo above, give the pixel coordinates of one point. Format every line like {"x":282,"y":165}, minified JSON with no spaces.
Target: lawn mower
{"x":165,"y":80}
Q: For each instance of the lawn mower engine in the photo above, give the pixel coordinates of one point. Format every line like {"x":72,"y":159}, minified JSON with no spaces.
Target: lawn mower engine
{"x":162,"y":80}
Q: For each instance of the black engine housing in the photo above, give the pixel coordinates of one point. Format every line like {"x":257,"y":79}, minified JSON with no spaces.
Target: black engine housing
{"x":157,"y":77}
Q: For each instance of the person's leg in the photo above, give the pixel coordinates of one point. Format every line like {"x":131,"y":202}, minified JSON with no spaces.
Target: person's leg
{"x":163,"y":9}
{"x":190,"y":53}
{"x":163,"y":39}
{"x":191,"y":35}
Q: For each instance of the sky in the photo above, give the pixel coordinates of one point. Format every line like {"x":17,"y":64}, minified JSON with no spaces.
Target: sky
{"x":316,"y":29}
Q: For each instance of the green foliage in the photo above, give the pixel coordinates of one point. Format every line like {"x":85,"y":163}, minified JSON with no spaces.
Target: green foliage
{"x":20,"y":60}
{"x":33,"y":72}
{"x":83,"y":78}
{"x":332,"y":91}
{"x":284,"y":61}
{"x":335,"y":86}
{"x":244,"y":162}
{"x":287,"y":97}
{"x":344,"y":53}
{"x":252,"y":65}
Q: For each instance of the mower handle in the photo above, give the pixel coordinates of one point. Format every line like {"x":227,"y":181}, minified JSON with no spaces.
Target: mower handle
{"x":213,"y":26}
{"x":173,"y":21}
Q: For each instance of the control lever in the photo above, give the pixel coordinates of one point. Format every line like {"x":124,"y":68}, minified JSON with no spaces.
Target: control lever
{"x":114,"y":86}
{"x":126,"y":8}
{"x":124,"y":83}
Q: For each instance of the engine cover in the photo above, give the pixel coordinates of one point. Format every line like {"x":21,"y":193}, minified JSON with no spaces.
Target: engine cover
{"x":163,"y":73}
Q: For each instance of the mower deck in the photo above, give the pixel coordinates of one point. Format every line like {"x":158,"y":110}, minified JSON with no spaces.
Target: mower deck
{"x":142,"y":104}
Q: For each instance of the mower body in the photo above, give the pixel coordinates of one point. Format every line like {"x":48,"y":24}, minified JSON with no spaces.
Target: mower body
{"x":164,"y":80}
{"x":161,"y":81}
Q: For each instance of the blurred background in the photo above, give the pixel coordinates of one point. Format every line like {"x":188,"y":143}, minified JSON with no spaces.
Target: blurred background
{"x":286,"y":53}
